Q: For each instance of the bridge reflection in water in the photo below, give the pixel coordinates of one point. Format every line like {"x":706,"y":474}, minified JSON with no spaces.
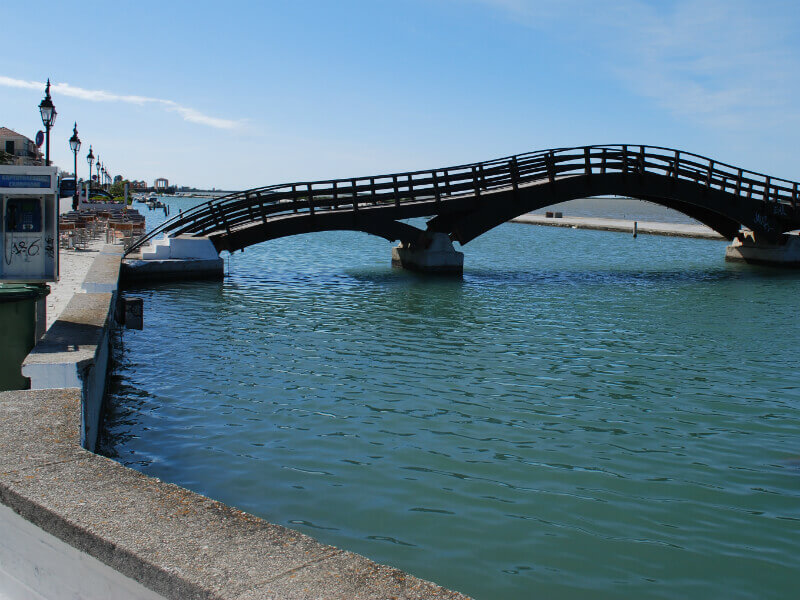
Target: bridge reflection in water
{"x":465,"y":201}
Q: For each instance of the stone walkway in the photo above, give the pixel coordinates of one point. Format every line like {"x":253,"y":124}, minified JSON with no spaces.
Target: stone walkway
{"x":73,"y":269}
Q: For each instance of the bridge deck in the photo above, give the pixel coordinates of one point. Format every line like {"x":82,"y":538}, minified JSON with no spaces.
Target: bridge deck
{"x":467,"y":200}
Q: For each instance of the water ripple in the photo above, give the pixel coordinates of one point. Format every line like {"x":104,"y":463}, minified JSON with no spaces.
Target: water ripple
{"x":583,"y":413}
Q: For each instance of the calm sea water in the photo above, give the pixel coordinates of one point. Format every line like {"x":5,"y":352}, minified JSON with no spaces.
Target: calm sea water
{"x":583,"y":413}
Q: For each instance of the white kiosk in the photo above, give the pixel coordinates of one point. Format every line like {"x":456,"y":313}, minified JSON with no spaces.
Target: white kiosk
{"x":29,"y":224}
{"x":29,"y":246}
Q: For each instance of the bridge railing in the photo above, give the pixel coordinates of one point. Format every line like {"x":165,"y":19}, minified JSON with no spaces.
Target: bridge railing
{"x":447,"y":184}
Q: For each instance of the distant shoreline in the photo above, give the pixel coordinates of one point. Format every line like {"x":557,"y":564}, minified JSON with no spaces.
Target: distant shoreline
{"x":623,"y":226}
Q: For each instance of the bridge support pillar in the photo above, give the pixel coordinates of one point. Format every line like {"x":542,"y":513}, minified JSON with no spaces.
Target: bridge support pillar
{"x":745,"y":248}
{"x":433,"y":253}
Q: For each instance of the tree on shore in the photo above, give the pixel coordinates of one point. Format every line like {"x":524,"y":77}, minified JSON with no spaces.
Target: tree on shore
{"x":117,"y":189}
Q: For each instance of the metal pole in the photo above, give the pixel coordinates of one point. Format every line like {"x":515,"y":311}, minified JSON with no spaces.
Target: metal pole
{"x":47,"y":146}
{"x":75,"y":197}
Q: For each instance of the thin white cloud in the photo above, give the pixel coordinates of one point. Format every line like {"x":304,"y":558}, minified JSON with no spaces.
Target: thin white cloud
{"x":721,"y":63}
{"x":188,"y":114}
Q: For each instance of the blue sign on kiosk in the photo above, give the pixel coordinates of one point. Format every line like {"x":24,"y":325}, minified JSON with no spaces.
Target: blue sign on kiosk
{"x":8,"y":180}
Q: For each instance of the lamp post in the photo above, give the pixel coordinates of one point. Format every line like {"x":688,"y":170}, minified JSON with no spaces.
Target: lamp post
{"x":48,"y":112}
{"x":99,"y":165}
{"x":90,"y":160}
{"x":75,"y":145}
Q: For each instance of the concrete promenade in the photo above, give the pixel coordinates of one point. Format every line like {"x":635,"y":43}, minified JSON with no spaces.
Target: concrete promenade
{"x":74,"y":524}
{"x":626,"y":226}
{"x":75,"y":264}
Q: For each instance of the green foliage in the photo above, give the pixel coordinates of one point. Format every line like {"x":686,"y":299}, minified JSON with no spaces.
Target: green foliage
{"x":118,"y":188}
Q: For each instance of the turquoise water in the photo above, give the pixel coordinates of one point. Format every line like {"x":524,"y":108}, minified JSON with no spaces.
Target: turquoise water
{"x":583,"y":412}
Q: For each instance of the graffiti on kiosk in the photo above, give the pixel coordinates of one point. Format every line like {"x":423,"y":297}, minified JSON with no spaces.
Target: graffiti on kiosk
{"x":49,"y":248}
{"x":24,"y":250}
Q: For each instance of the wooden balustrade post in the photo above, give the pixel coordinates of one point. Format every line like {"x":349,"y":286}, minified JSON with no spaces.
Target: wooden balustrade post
{"x":249,"y":206}
{"x":294,"y":198}
{"x":767,"y":186}
{"x":475,"y":182}
{"x":513,"y":168}
{"x":587,"y":169}
{"x":794,"y":195}
{"x":436,"y":193}
{"x":213,"y":214}
{"x":708,"y":173}
{"x":551,"y":167}
{"x":396,"y":192}
{"x":603,"y":161}
{"x":447,"y":188}
{"x":225,"y":222}
{"x":738,"y":182}
{"x":677,"y":166}
{"x":336,"y":194}
{"x":625,"y":159}
{"x":310,"y":199}
{"x":355,"y":195}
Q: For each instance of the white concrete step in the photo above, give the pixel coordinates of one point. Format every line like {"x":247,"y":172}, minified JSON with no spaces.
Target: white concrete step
{"x":182,"y":247}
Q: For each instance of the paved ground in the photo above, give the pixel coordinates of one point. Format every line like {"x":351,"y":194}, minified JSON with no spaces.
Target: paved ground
{"x":652,"y":228}
{"x":73,"y":269}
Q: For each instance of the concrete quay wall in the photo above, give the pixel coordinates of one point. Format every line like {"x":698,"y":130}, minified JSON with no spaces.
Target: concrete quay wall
{"x":75,"y":350}
{"x":74,"y":524}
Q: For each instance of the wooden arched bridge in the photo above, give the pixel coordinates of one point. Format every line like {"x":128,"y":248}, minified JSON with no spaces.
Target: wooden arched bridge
{"x":467,"y":200}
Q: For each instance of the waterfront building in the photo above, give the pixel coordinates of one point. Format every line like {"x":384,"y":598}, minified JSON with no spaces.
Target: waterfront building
{"x":18,"y":149}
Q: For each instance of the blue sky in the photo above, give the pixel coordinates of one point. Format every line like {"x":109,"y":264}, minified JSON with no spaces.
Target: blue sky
{"x":242,"y":94}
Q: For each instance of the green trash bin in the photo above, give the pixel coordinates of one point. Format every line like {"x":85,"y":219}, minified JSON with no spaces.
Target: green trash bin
{"x":17,"y":330}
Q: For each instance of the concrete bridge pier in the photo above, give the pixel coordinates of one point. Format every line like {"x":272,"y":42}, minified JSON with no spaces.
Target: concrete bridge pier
{"x":433,"y":253}
{"x":746,"y":248}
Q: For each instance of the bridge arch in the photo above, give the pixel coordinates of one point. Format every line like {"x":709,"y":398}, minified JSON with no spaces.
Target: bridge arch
{"x":465,"y":201}
{"x":710,"y":207}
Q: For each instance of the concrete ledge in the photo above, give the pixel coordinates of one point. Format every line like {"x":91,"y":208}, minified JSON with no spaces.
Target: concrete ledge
{"x":172,"y":269}
{"x":69,"y":347}
{"x":74,"y":352}
{"x":103,"y":275}
{"x":175,"y":542}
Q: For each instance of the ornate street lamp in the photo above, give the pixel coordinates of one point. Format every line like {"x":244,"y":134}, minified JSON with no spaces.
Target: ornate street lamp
{"x":90,"y":160}
{"x":99,"y":166}
{"x":48,"y":112}
{"x":75,"y":145}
